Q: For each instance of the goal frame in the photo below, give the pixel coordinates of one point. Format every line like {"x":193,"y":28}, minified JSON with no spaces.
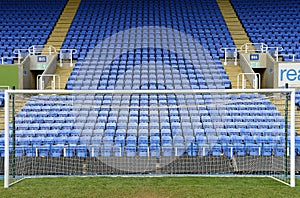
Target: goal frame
{"x":225,"y":91}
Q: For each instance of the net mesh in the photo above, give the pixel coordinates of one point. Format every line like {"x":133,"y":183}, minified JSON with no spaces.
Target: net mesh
{"x":156,"y":133}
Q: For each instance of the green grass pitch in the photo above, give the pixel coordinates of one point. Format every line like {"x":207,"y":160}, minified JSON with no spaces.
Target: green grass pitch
{"x":150,"y":187}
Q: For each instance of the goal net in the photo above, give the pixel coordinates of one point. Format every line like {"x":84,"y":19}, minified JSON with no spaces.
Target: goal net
{"x":143,"y":132}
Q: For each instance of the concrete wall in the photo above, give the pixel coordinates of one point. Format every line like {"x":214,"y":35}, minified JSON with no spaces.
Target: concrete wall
{"x":269,"y":78}
{"x":25,"y":74}
{"x":245,"y":66}
{"x":51,"y":68}
{"x":261,"y":63}
{"x":267,"y":68}
{"x":30,"y":68}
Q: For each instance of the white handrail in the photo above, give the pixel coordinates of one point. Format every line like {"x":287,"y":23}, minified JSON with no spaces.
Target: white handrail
{"x":277,"y":50}
{"x":69,"y":52}
{"x":256,"y":81}
{"x":235,"y":54}
{"x":50,"y":49}
{"x":20,"y":52}
{"x":33,"y":50}
{"x":6,"y":58}
{"x":38,"y":49}
{"x":40,"y":83}
{"x":290,"y":55}
{"x":246,"y":46}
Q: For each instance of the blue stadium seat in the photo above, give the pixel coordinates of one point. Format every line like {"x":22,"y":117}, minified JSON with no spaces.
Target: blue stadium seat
{"x":44,"y":151}
{"x":155,"y":150}
{"x":216,"y":150}
{"x":179,"y":149}
{"x":143,"y":140}
{"x":94,"y":150}
{"x":108,"y":140}
{"x":70,"y":151}
{"x":56,"y":151}
{"x":31,"y":151}
{"x":178,"y":140}
{"x":83,"y":140}
{"x":96,"y":140}
{"x":192,"y":149}
{"x":120,"y":140}
{"x":228,"y":150}
{"x":118,"y":150}
{"x":267,"y":149}
{"x":60,"y":140}
{"x":143,"y":150}
{"x":131,"y":150}
{"x":106,"y":150}
{"x":253,"y":149}
{"x":131,"y":140}
{"x":81,"y":151}
{"x":240,"y":149}
{"x":2,"y":151}
{"x":19,"y":152}
{"x":155,"y":140}
{"x":37,"y":141}
{"x":279,"y":150}
{"x":167,"y":150}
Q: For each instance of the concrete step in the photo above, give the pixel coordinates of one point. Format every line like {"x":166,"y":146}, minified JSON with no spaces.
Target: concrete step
{"x":280,"y":106}
{"x":64,"y":73}
{"x":19,"y":103}
{"x":234,"y":25}
{"x":233,"y":71}
{"x":63,"y":24}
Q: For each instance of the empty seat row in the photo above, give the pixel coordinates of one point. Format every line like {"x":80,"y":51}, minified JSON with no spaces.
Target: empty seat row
{"x":152,"y":25}
{"x":269,"y":22}
{"x":154,"y":150}
{"x":27,"y":24}
{"x":66,"y":137}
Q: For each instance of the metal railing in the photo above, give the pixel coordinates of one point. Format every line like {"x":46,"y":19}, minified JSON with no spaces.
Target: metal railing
{"x":40,"y":81}
{"x":260,"y":47}
{"x":33,"y":50}
{"x":291,"y":57}
{"x":230,"y":52}
{"x":256,"y":80}
{"x":21,"y":54}
{"x":38,"y":49}
{"x":4,"y":59}
{"x":66,"y":54}
{"x":276,"y":51}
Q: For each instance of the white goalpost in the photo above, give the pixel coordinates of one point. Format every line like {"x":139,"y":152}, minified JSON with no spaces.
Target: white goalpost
{"x":228,"y":132}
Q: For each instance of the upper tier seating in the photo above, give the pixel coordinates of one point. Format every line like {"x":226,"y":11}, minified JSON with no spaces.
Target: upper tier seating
{"x":159,"y":69}
{"x":275,"y":23}
{"x":119,"y":30}
{"x":27,"y":23}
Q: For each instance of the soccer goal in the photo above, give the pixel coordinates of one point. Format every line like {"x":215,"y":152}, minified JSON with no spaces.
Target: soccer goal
{"x":234,"y":133}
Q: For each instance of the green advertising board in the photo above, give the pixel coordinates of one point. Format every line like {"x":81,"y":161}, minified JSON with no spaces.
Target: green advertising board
{"x":9,"y":75}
